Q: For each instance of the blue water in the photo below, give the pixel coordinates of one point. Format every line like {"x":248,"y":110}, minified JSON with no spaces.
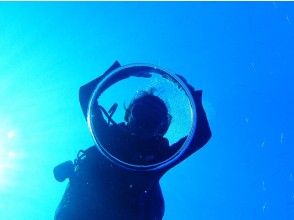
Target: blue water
{"x":240,"y":54}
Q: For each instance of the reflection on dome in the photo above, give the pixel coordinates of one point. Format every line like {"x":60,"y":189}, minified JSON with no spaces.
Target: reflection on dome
{"x":150,"y":118}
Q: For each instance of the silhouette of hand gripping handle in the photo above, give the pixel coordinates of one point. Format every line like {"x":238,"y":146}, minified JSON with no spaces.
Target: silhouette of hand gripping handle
{"x":87,"y":90}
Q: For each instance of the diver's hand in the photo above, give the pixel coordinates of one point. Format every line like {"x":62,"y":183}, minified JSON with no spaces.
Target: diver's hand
{"x":140,"y":72}
{"x":191,"y":88}
{"x":124,"y":74}
{"x":197,"y":94}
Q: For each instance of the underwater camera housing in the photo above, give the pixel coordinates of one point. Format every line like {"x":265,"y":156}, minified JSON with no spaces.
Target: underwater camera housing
{"x":125,"y":82}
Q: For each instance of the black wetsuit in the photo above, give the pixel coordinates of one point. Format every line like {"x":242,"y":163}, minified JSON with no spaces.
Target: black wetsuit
{"x":102,"y":190}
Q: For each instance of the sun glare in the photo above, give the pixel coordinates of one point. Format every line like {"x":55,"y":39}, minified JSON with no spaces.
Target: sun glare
{"x":8,"y":159}
{"x":10,"y":134}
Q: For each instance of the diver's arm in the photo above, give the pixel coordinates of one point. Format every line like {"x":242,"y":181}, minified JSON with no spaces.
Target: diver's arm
{"x":202,"y":132}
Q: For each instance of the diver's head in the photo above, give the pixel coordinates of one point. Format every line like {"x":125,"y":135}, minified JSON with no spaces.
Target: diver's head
{"x":147,"y":116}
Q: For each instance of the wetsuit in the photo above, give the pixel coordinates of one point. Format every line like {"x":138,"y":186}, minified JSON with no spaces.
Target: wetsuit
{"x":102,"y":190}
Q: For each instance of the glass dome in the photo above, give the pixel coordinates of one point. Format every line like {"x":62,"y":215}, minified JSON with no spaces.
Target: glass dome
{"x":123,"y":132}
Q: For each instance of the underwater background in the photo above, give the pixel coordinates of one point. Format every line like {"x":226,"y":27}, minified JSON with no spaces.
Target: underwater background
{"x":240,"y":53}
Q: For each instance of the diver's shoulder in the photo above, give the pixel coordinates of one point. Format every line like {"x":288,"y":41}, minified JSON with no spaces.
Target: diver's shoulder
{"x":90,"y":153}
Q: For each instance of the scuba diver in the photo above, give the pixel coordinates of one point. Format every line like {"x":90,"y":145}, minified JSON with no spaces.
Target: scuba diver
{"x":99,"y":188}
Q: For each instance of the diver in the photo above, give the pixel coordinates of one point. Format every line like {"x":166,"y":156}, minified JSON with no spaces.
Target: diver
{"x":100,"y":189}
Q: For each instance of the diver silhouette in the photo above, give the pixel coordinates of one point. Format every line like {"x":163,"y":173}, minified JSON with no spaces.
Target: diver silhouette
{"x":100,"y":189}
